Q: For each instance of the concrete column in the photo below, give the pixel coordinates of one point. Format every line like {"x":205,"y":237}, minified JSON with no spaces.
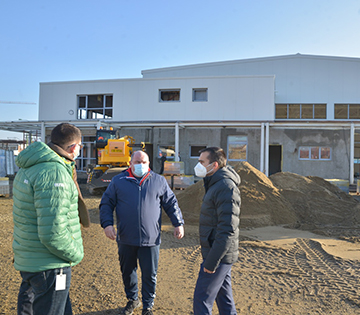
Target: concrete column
{"x":176,"y":142}
{"x":43,"y":132}
{"x":262,"y":145}
{"x":352,"y":150}
{"x":267,"y":135}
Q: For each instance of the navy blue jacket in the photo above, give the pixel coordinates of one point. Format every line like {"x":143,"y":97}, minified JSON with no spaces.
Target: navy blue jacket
{"x":138,"y":207}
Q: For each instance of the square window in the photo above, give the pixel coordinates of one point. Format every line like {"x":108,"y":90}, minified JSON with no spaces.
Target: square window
{"x":237,"y":151}
{"x":200,"y":95}
{"x":341,"y":111}
{"x":304,"y":153}
{"x":95,"y":101}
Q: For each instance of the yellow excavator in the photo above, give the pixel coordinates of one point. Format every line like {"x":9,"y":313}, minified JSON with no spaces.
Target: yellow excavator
{"x":113,"y":157}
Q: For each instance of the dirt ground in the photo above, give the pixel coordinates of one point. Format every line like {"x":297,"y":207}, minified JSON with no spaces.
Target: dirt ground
{"x":283,"y":267}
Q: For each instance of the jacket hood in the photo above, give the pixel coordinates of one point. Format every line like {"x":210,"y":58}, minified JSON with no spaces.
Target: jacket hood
{"x":35,"y":153}
{"x":226,"y":172}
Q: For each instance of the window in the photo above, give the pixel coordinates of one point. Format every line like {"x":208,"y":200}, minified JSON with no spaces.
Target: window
{"x":83,"y":159}
{"x":300,"y":111}
{"x":314,"y":153}
{"x":200,"y":95}
{"x":195,"y":149}
{"x":347,"y":111}
{"x":168,"y":150}
{"x":169,"y":95}
{"x":237,"y":148}
{"x":95,"y":106}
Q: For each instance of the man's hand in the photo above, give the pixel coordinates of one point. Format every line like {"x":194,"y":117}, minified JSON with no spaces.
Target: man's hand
{"x":208,"y":271}
{"x":110,"y":232}
{"x":179,"y":232}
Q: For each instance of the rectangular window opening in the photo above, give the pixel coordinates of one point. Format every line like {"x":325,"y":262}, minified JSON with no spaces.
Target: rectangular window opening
{"x":95,"y":106}
{"x":315,"y":153}
{"x":195,"y":150}
{"x":237,"y":148}
{"x":300,"y":111}
{"x":347,"y":111}
{"x":169,"y":95}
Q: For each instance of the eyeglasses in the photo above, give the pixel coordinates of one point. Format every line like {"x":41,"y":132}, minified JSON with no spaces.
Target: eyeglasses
{"x":79,"y":144}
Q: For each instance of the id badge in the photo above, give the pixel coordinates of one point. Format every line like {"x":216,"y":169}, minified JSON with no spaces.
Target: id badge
{"x":60,"y":282}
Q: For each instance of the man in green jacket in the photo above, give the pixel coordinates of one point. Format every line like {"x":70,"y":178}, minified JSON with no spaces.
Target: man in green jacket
{"x":47,"y":235}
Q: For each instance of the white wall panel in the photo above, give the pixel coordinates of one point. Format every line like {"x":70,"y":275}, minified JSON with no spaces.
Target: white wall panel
{"x":229,"y":98}
{"x":299,"y":78}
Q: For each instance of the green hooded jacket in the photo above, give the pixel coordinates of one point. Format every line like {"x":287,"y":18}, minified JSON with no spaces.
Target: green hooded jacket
{"x":47,"y":233}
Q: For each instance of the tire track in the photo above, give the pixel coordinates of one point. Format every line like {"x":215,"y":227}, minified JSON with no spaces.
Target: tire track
{"x":326,"y":270}
{"x":305,"y":269}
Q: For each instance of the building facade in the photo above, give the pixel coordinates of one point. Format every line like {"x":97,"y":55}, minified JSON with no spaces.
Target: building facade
{"x":296,"y":113}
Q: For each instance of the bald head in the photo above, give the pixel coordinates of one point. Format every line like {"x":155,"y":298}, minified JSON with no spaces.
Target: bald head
{"x":139,"y":158}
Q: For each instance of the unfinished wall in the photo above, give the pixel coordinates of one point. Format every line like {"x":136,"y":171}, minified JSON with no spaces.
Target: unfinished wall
{"x":291,"y":139}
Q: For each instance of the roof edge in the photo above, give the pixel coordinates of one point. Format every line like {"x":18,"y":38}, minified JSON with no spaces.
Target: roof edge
{"x":229,"y":62}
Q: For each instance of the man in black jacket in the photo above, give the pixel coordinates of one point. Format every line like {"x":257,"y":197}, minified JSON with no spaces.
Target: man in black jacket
{"x":219,"y":232}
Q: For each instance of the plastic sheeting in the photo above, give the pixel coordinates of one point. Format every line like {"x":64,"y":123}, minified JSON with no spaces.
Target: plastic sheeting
{"x":7,"y":163}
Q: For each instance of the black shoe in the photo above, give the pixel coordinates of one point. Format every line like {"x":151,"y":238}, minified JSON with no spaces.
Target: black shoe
{"x":131,"y":306}
{"x":147,"y":311}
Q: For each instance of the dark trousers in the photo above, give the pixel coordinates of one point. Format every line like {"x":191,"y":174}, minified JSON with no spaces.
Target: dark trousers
{"x":148,"y":261}
{"x":214,"y":287}
{"x":37,"y":295}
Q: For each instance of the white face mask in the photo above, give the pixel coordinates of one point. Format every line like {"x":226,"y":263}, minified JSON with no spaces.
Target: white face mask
{"x":140,"y":169}
{"x":200,"y":170}
{"x":76,"y":155}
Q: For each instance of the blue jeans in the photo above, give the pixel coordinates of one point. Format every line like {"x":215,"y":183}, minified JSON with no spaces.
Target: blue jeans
{"x":148,"y":260}
{"x":37,"y":295}
{"x":212,"y":287}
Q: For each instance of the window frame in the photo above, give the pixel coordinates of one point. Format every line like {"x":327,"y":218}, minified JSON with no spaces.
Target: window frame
{"x":84,"y":110}
{"x":190,"y":150}
{"x":238,"y":140}
{"x":167,"y":91}
{"x":195,"y":90}
{"x":299,"y":109}
{"x":311,"y":149}
{"x":349,"y":108}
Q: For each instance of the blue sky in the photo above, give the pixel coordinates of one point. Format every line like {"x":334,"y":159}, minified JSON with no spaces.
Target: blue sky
{"x":45,"y":41}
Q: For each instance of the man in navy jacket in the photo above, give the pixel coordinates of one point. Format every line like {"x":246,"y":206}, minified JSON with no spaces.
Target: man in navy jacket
{"x":138,"y":194}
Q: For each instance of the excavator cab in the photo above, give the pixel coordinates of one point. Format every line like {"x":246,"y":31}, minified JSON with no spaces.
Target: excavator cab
{"x":103,"y":136}
{"x":113,"y":157}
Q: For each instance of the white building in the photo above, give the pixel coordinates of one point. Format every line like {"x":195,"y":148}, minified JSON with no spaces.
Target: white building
{"x":295,"y":113}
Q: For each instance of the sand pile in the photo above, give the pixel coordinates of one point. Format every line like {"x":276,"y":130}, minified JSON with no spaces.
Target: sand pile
{"x":283,"y":199}
{"x":317,"y":203}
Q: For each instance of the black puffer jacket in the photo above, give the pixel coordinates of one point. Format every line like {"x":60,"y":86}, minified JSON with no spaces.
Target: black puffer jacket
{"x":219,"y":218}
